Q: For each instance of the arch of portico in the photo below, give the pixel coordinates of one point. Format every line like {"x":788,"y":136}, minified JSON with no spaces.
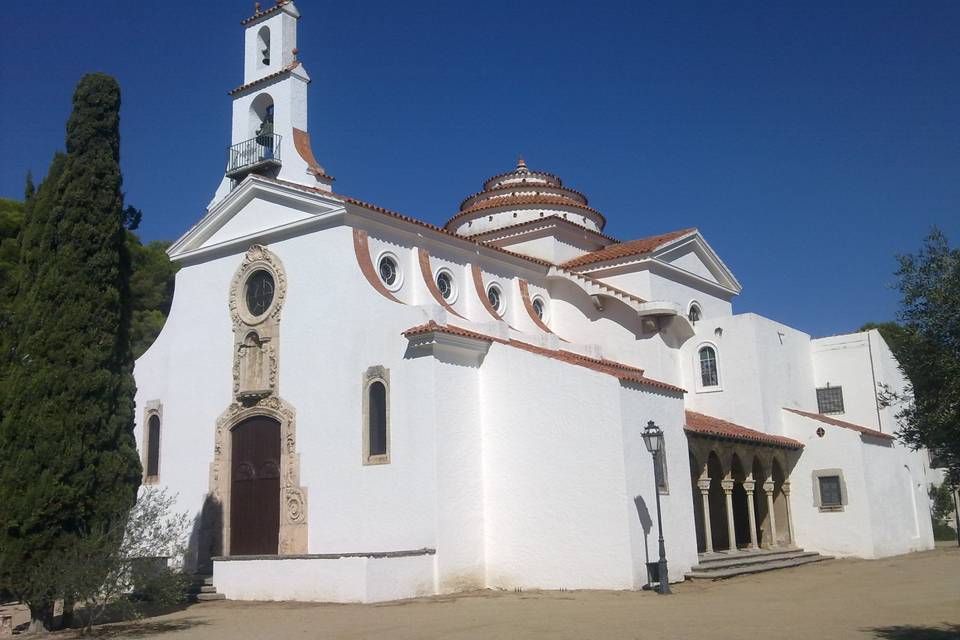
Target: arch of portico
{"x":741,"y":494}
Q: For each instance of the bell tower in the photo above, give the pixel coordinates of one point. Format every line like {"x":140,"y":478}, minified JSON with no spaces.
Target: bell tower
{"x":269,"y":129}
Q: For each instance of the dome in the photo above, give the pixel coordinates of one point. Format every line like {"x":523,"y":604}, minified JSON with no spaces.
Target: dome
{"x":520,"y":196}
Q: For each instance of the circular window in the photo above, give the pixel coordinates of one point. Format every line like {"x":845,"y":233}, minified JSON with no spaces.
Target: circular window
{"x":260,"y":290}
{"x":388,"y":270}
{"x":445,"y":285}
{"x":493,"y":295}
{"x":538,"y":307}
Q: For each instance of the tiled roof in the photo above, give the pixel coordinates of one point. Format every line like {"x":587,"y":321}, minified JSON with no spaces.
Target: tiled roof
{"x":259,"y":14}
{"x":700,"y":424}
{"x":524,"y":186}
{"x":405,"y":218}
{"x":532,"y":201}
{"x":624,"y":249}
{"x":840,"y":423}
{"x":276,"y":74}
{"x":552,"y":218}
{"x":609,"y":367}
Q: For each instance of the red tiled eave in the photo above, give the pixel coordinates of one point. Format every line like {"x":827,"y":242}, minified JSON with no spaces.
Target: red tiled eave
{"x":276,"y":74}
{"x":528,"y":201}
{"x":261,"y":14}
{"x":551,"y":219}
{"x":700,"y":424}
{"x":840,"y":423}
{"x":405,"y":218}
{"x":609,"y":367}
{"x":637,"y":247}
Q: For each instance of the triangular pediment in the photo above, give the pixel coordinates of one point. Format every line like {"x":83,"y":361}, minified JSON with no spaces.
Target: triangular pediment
{"x":692,"y":255}
{"x":257,"y":210}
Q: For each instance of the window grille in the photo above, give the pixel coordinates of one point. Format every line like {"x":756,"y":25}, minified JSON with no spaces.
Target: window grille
{"x":830,"y":495}
{"x":709,"y":376}
{"x":830,"y":400}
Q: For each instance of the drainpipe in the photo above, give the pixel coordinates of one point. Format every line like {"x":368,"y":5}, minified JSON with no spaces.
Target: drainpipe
{"x":873,"y":374}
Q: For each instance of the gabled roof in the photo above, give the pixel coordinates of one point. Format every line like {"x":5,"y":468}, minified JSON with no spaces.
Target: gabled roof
{"x":700,"y":424}
{"x":276,"y":74}
{"x":639,"y":247}
{"x":609,"y":367}
{"x":840,"y":423}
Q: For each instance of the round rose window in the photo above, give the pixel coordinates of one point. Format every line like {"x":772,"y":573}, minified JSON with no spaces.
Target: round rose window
{"x":260,"y":289}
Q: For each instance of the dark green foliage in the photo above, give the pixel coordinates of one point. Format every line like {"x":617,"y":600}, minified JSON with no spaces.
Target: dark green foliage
{"x":941,"y":502}
{"x":929,"y":348}
{"x":893,"y":334}
{"x":152,"y":290}
{"x":68,"y":455}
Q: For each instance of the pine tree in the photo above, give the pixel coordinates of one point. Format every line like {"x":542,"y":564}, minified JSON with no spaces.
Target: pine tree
{"x":67,"y":450}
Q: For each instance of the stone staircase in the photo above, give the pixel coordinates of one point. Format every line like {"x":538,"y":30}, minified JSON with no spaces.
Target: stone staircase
{"x":202,"y":590}
{"x":728,"y":564}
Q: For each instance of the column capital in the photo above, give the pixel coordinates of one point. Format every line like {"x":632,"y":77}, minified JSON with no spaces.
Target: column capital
{"x":768,"y":487}
{"x":749,"y":485}
{"x":704,"y":485}
{"x":726,"y":485}
{"x":785,"y":487}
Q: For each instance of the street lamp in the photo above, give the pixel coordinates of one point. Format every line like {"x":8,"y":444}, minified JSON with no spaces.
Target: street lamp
{"x":653,"y":438}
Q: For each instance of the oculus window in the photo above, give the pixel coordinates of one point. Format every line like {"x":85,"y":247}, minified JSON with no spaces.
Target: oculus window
{"x":493,"y":296}
{"x":259,"y":293}
{"x":388,"y":270}
{"x":538,"y":307}
{"x":445,"y":285}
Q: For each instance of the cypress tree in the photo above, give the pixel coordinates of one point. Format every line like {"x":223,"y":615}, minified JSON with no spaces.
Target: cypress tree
{"x":68,"y":459}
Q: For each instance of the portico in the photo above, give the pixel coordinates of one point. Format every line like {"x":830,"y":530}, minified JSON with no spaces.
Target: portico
{"x":741,"y":485}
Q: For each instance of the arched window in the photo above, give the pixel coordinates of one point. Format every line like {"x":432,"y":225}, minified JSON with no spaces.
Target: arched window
{"x":694,"y":314}
{"x":153,"y":446}
{"x":709,"y":375}
{"x":263,"y":47}
{"x":376,"y":416}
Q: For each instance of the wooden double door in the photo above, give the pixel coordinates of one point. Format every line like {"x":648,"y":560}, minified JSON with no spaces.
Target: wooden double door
{"x":255,"y":487}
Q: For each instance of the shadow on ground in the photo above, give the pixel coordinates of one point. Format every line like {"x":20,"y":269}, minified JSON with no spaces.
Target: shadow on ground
{"x":143,"y":629}
{"x":911,"y":632}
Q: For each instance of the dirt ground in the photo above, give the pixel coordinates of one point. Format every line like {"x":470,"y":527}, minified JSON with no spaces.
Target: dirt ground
{"x":910,"y":597}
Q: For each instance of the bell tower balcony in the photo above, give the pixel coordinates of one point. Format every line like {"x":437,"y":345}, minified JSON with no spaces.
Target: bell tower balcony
{"x":260,"y":154}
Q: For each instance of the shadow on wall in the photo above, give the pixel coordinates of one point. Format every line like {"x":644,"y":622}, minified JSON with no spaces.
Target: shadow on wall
{"x":910,"y":632}
{"x":645,"y":521}
{"x":206,"y":538}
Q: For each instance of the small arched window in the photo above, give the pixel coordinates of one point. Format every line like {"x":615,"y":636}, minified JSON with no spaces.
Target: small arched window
{"x":153,"y":446}
{"x":694,"y":314}
{"x":709,"y":376}
{"x":376,"y":416}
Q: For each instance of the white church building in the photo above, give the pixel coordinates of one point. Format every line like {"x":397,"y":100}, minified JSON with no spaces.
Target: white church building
{"x":357,"y":405}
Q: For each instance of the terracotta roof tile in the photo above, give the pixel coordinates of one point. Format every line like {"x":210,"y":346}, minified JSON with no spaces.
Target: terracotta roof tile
{"x":700,"y":424}
{"x":840,"y":423}
{"x":609,"y":367}
{"x":552,"y":218}
{"x":276,"y":74}
{"x":405,"y":218}
{"x":625,"y":249}
{"x":542,"y":199}
{"x":259,"y":14}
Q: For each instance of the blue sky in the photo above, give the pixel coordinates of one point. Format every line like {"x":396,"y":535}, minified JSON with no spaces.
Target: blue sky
{"x":809,"y":141}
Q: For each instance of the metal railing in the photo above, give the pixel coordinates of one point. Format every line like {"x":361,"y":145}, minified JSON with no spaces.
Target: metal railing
{"x":251,"y":154}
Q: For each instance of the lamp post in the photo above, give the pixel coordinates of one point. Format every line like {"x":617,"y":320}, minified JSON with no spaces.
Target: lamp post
{"x":653,"y":439}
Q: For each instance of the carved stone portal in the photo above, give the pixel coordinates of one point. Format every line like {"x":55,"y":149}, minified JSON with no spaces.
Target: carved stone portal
{"x":256,"y":330}
{"x":293,"y":511}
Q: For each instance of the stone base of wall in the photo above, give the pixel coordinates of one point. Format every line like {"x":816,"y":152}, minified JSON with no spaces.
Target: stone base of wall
{"x":348,"y":577}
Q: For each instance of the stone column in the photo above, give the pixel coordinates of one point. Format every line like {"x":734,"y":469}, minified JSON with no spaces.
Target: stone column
{"x":704,"y":485}
{"x":731,"y":530}
{"x":749,"y":486}
{"x":786,"y":498}
{"x":768,"y":489}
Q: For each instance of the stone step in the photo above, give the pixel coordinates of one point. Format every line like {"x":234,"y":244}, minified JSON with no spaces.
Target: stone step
{"x":757,"y":553}
{"x":745,"y":559}
{"x":208,"y":588}
{"x":208,"y":597}
{"x":722,"y":573}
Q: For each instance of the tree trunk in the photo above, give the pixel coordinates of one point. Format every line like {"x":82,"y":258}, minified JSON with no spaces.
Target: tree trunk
{"x":41,"y":618}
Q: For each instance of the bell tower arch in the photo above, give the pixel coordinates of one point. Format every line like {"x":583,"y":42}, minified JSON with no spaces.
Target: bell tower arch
{"x":269,"y":135}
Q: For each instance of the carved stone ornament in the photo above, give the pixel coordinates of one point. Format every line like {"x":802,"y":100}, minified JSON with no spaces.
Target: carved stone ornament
{"x":293,"y":520}
{"x":256,"y":337}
